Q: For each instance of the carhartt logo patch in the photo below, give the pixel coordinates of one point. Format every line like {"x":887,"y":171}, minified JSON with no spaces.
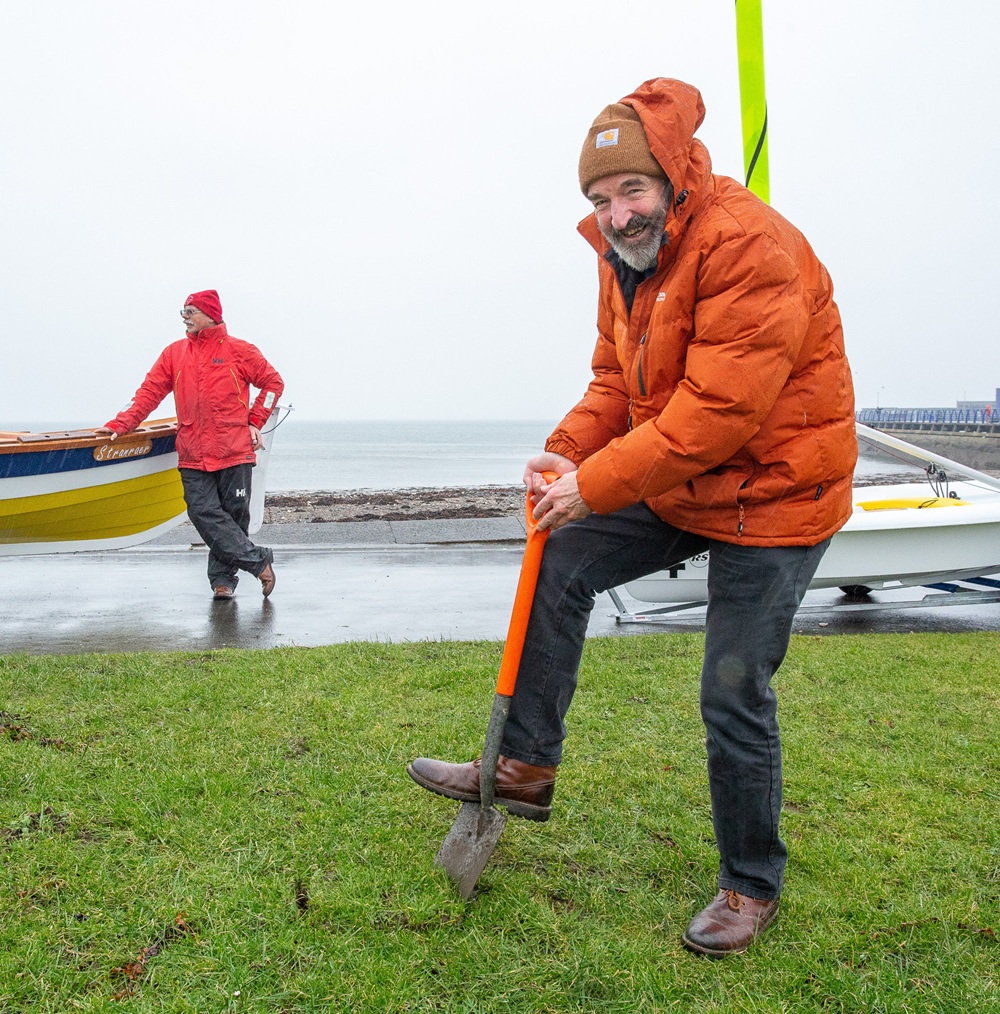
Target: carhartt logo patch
{"x":607,"y":138}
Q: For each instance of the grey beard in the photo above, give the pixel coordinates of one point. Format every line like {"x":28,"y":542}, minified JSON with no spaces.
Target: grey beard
{"x":643,"y":256}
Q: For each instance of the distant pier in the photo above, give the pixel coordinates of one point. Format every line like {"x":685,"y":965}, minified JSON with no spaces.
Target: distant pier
{"x":971,"y":436}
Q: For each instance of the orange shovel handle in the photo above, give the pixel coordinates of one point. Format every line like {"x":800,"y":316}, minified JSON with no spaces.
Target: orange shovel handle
{"x":523,"y":598}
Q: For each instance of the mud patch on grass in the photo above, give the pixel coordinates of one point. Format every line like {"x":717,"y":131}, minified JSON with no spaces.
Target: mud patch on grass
{"x":134,"y":971}
{"x":296,"y":747}
{"x":46,"y":819}
{"x":301,"y":895}
{"x":17,"y":729}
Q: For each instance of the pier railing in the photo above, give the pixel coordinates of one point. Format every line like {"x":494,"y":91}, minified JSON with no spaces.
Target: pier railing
{"x":939,"y":419}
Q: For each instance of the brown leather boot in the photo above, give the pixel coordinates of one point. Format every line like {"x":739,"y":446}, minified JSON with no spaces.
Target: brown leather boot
{"x":266,"y":577}
{"x":730,"y":924}
{"x":524,"y":789}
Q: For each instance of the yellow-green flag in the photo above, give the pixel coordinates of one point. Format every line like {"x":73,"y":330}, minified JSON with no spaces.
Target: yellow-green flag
{"x":753,"y":102}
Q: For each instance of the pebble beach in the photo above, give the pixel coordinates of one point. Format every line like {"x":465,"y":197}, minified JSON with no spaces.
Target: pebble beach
{"x":413,"y":504}
{"x":423,"y":503}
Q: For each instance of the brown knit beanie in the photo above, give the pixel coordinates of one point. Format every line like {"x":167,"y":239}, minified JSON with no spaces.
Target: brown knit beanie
{"x":616,"y":143}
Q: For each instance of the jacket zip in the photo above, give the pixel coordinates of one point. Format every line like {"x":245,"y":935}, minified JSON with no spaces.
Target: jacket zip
{"x":642,"y":382}
{"x":739,"y":506}
{"x":239,"y":392}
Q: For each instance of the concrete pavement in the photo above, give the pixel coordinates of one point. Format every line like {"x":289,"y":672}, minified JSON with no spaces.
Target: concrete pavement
{"x":336,"y":581}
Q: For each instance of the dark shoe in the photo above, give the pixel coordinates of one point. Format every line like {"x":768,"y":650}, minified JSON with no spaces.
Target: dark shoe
{"x":222,"y":591}
{"x":524,"y":789}
{"x":267,"y":580}
{"x":729,"y":925}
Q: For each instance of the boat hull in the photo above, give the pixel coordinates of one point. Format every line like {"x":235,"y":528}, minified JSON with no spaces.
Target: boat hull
{"x":877,"y":549}
{"x":77,"y":490}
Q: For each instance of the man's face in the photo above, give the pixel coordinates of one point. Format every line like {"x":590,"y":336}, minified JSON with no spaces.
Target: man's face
{"x":631,"y":210}
{"x":195,"y":320}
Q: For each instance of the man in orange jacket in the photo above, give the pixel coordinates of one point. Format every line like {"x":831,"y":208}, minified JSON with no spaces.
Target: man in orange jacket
{"x":210,"y":373}
{"x":720,"y":419}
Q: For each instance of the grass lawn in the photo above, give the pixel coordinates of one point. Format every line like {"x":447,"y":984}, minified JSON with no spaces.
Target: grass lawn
{"x":234,"y":831}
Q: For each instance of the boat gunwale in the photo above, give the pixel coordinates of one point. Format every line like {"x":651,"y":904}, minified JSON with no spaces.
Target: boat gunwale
{"x":26,"y":441}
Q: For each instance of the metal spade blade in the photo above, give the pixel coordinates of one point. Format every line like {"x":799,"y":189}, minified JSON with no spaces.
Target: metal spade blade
{"x":469,"y":845}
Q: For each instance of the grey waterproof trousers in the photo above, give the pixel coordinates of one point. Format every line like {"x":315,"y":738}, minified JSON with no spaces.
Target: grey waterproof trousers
{"x":753,"y":594}
{"x":218,"y":505}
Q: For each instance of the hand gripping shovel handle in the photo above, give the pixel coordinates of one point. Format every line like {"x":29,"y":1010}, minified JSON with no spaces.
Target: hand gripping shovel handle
{"x":513,"y":648}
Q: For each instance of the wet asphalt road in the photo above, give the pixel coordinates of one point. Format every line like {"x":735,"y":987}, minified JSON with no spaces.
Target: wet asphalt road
{"x":391,"y":581}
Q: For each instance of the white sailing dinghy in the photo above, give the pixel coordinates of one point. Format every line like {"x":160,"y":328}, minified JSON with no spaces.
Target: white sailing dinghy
{"x":910,"y":534}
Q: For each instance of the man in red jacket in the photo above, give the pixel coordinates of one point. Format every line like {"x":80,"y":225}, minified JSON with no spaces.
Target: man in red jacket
{"x":210,"y":373}
{"x":720,"y":419}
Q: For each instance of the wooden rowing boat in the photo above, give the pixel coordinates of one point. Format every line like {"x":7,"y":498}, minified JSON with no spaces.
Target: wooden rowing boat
{"x":75,"y":490}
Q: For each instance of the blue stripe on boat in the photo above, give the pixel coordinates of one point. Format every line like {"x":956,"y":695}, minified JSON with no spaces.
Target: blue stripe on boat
{"x":69,"y":460}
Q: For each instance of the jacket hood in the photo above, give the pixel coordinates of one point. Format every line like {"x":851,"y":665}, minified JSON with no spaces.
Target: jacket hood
{"x":671,"y":111}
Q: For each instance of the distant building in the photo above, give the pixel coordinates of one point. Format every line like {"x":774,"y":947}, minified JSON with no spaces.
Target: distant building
{"x":971,"y":406}
{"x":991,"y":405}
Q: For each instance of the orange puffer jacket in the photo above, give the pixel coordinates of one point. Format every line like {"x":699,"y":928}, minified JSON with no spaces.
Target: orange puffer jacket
{"x":724,"y":400}
{"x":210,"y":374}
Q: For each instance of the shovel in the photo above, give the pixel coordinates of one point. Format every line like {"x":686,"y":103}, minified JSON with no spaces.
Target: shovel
{"x":478,"y":826}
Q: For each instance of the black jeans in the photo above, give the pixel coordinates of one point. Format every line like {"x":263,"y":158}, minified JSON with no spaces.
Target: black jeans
{"x":753,"y":594}
{"x":218,"y":505}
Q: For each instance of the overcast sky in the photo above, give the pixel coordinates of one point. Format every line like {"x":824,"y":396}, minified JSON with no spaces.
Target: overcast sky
{"x":385,"y":194}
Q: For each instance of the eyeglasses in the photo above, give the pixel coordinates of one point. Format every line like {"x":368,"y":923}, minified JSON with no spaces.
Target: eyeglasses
{"x":190,"y":311}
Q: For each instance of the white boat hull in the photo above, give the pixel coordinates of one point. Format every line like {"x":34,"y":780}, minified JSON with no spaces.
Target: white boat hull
{"x":878,"y":549}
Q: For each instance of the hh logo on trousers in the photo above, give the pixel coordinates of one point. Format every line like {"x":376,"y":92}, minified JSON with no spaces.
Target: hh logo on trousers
{"x":241,"y":492}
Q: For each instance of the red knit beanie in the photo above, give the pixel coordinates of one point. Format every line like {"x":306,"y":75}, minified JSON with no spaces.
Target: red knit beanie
{"x":208,"y":302}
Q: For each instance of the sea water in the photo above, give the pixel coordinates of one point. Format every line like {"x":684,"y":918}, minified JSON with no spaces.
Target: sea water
{"x":397,"y":455}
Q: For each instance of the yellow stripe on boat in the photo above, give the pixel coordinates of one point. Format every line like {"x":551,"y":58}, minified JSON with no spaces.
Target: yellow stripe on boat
{"x":910,"y":502}
{"x":112,"y":510}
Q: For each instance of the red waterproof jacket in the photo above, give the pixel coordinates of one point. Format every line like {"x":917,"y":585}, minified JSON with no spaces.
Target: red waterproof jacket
{"x":724,"y":399}
{"x":210,"y":374}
